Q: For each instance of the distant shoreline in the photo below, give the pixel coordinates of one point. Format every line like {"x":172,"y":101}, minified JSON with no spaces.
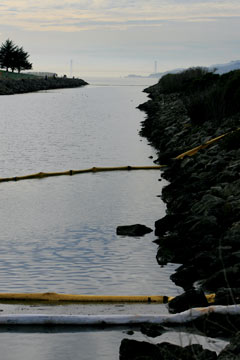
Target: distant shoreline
{"x":26,"y":85}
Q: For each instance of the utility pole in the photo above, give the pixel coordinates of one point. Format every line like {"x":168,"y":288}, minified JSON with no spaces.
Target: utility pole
{"x":71,"y":68}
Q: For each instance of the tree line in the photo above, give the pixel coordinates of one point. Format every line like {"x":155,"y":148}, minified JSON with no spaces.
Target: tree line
{"x":13,"y":57}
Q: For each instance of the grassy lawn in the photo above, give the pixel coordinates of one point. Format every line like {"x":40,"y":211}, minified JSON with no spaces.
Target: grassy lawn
{"x":14,"y":76}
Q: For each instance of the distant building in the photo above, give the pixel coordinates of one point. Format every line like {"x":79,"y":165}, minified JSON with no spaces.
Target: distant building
{"x":43,"y":74}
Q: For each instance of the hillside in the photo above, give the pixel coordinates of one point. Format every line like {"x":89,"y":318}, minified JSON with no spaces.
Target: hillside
{"x":217,"y":68}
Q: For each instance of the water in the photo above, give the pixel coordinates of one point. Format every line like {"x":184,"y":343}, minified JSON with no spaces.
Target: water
{"x":59,"y":234}
{"x":84,"y":345}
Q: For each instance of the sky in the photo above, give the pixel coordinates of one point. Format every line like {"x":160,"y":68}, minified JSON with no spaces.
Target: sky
{"x":121,"y":37}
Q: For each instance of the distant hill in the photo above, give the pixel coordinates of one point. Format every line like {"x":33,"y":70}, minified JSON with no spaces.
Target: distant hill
{"x":219,"y":69}
{"x":135,"y":76}
{"x":159,"y":75}
{"x":224,"y":68}
{"x":156,"y":75}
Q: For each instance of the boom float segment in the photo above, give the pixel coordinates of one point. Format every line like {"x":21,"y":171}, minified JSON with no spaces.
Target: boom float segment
{"x":42,"y":175}
{"x":115,"y":320}
{"x":197,"y":148}
{"x":193,"y":151}
{"x":55,"y":298}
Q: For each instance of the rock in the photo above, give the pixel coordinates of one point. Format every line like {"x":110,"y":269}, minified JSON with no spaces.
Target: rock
{"x":185,"y":276}
{"x":231,"y":351}
{"x":204,"y":224}
{"x":216,"y":325}
{"x":227,"y":296}
{"x":133,"y":230}
{"x":165,"y":224}
{"x":164,"y":256}
{"x":196,"y":351}
{"x":152,"y":330}
{"x":129,"y":332}
{"x":206,"y":260}
{"x":209,"y":205}
{"x":189,"y":299}
{"x":133,"y":350}
{"x":227,"y":277}
{"x":141,"y":350}
{"x":232,"y":236}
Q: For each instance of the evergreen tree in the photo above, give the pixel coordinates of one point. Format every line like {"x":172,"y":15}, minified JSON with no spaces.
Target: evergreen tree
{"x":7,"y":51}
{"x":21,"y":60}
{"x":13,"y":57}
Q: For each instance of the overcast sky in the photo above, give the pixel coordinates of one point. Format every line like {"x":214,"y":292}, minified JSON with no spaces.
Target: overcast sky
{"x":119,"y":37}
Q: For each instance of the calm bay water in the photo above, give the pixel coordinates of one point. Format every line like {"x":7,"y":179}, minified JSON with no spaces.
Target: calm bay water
{"x":59,"y":234}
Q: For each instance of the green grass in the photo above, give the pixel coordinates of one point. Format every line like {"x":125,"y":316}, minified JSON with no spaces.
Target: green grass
{"x":14,"y":75}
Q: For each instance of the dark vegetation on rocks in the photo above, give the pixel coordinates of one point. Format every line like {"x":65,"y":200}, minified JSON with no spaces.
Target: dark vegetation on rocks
{"x":10,"y":86}
{"x":201,"y":229}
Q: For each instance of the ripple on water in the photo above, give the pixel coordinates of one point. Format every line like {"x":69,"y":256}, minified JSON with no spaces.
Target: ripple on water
{"x":59,"y":234}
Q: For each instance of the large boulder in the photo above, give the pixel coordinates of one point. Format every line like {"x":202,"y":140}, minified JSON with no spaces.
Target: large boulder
{"x":134,"y":350}
{"x":189,"y":299}
{"x":152,"y":330}
{"x":141,"y":350}
{"x":133,"y":230}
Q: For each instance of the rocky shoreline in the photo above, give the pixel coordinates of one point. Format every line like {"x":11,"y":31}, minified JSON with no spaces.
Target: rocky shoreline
{"x":201,"y":229}
{"x":25,"y":85}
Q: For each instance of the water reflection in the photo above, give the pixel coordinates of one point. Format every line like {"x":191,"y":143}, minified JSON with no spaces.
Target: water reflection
{"x":48,"y":346}
{"x":60,"y":235}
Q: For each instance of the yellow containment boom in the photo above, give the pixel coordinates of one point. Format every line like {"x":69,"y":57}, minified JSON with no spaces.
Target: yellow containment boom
{"x":197,"y":148}
{"x":54,"y":298}
{"x":193,"y":151}
{"x":42,"y":175}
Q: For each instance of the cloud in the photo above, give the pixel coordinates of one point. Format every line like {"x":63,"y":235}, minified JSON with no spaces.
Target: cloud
{"x":76,"y":15}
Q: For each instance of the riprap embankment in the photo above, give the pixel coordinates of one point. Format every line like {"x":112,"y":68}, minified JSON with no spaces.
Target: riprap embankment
{"x":10,"y":86}
{"x":201,"y":229}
